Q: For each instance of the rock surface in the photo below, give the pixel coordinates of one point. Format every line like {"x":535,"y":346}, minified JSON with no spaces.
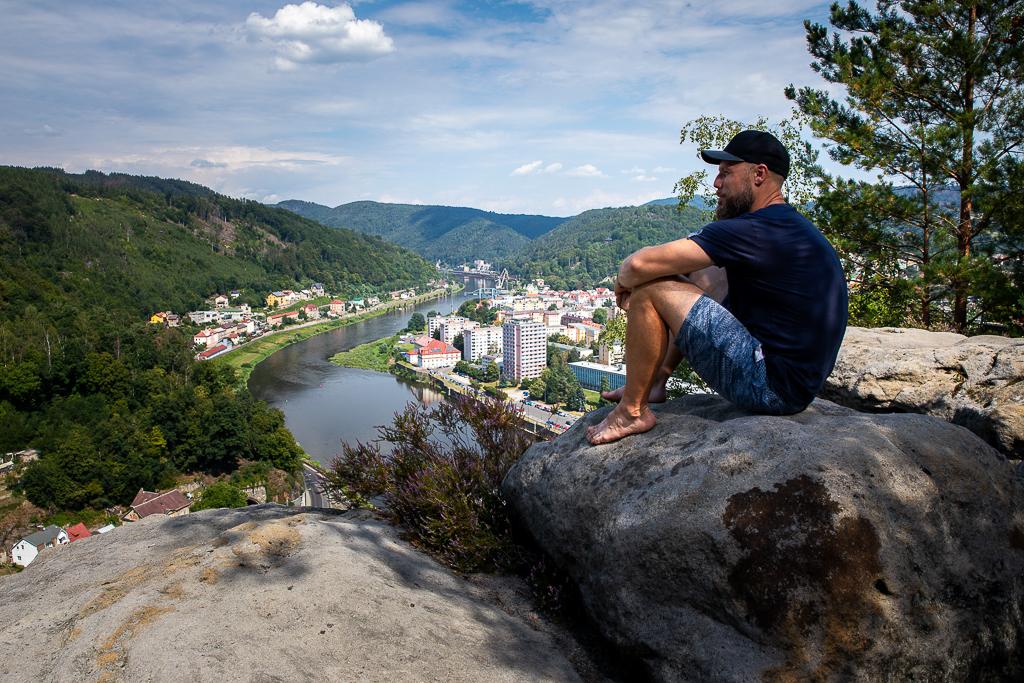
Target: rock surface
{"x":267,"y":593}
{"x":975,"y":382}
{"x":829,"y":545}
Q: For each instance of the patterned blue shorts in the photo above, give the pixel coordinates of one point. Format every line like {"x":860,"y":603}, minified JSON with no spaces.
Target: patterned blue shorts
{"x":726,"y":356}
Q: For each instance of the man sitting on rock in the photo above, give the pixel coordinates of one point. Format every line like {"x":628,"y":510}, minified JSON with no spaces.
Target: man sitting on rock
{"x":771,"y":346}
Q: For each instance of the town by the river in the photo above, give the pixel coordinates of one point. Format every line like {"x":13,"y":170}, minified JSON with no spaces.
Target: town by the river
{"x":325,"y":404}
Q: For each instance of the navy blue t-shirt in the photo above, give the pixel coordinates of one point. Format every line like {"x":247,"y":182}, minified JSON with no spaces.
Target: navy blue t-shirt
{"x":787,"y":288}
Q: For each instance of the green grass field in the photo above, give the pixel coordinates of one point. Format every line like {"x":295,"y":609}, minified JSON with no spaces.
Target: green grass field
{"x":375,"y":355}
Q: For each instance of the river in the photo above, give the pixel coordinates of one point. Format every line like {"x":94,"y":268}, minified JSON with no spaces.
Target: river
{"x":325,"y":404}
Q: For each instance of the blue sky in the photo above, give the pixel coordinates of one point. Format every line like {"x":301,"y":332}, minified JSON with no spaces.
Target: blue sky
{"x":547,"y":107}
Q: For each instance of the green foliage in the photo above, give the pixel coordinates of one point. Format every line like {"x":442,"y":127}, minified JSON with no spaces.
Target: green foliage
{"x":220,"y":494}
{"x":114,"y":404}
{"x":691,"y":381}
{"x":714,"y":132}
{"x":478,"y":310}
{"x":605,"y":386}
{"x":491,"y":372}
{"x":441,"y":478}
{"x":376,"y":355}
{"x":930,"y":96}
{"x":588,"y":249}
{"x":601,"y":316}
{"x":417,"y":323}
{"x":453,"y":235}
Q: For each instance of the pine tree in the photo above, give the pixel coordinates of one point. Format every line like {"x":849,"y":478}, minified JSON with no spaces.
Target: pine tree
{"x":933,"y":100}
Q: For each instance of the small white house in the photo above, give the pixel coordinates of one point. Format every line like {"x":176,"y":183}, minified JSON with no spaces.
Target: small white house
{"x":26,"y":550}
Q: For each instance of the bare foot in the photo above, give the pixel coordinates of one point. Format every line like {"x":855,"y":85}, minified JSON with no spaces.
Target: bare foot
{"x":618,"y":424}
{"x":658,"y":394}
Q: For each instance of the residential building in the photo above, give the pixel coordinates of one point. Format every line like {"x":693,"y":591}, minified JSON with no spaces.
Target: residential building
{"x":26,"y":550}
{"x":610,"y":354}
{"x":454,"y":325}
{"x":587,"y":332}
{"x":311,"y":311}
{"x":316,"y":289}
{"x":203,"y":317}
{"x":172,"y":503}
{"x":206,"y":338}
{"x":220,"y":301}
{"x":524,"y":349}
{"x":434,"y":354}
{"x":590,"y":374}
{"x":213,"y":352}
{"x":337,"y":307}
{"x":552,"y":318}
{"x":240,"y":313}
{"x":481,"y":341}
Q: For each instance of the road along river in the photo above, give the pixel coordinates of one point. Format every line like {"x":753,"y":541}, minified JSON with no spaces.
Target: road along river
{"x":325,"y":404}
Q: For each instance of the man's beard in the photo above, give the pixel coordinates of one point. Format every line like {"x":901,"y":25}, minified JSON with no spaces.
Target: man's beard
{"x":737,"y":205}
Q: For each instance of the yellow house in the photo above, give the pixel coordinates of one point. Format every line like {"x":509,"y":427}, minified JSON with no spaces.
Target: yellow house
{"x":272,"y":300}
{"x":158,"y":319}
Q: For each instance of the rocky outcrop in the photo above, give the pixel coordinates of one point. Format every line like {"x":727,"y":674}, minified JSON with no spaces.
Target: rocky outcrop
{"x":975,"y":382}
{"x":829,"y":545}
{"x":268,"y":593}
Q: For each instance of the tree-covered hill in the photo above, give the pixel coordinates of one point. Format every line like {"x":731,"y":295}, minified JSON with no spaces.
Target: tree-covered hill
{"x":589,"y":247}
{"x":451,"y":234}
{"x":147,"y":244}
{"x":112,"y":403}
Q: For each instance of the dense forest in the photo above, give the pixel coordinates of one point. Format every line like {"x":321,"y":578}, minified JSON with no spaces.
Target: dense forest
{"x":112,"y":403}
{"x":588,"y":249}
{"x":452,"y":234}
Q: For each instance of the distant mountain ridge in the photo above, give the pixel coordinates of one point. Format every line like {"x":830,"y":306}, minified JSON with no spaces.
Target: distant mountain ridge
{"x":447,"y":233}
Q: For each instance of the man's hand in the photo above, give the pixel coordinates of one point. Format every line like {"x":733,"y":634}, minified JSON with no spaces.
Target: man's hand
{"x":622,"y":296}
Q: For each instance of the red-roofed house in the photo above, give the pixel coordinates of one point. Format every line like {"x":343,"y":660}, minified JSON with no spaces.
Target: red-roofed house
{"x":210,"y":353}
{"x":437,"y":354}
{"x":77,"y":532}
{"x":205,"y":338}
{"x":311,"y":311}
{"x":337,"y":307}
{"x":172,"y":503}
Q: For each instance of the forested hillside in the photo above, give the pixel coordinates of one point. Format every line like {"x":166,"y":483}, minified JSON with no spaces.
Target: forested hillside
{"x":588,"y":248}
{"x":115,"y":404}
{"x":452,"y":234}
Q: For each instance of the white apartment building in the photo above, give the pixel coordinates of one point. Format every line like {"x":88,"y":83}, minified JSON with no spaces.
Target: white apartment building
{"x":480,"y":342}
{"x":524,"y":348}
{"x":454,"y":325}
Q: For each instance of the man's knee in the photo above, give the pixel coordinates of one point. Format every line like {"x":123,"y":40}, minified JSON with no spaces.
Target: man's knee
{"x":672,"y":298}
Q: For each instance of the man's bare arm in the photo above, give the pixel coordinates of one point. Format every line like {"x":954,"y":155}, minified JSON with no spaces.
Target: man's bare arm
{"x":680,"y":257}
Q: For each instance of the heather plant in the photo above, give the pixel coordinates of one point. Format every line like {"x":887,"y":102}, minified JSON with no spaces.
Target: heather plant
{"x":440,"y":479}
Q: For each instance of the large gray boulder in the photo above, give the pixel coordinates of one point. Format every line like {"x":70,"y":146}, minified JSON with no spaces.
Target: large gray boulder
{"x":829,"y":545}
{"x":975,"y":382}
{"x":258,"y":594}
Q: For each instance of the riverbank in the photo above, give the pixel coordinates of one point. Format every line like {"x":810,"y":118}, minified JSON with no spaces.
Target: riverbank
{"x":376,"y":355}
{"x":247,"y":356}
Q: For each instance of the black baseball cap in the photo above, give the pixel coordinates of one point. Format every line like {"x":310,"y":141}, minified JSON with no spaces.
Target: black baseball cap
{"x":755,"y":147}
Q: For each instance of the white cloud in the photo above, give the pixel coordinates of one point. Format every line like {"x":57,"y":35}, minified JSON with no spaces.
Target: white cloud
{"x":586,"y":171}
{"x":663,"y":169}
{"x":218,"y":159}
{"x":552,"y":168}
{"x":527,"y":169}
{"x":316,"y":34}
{"x":599,"y":199}
{"x":645,"y":178}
